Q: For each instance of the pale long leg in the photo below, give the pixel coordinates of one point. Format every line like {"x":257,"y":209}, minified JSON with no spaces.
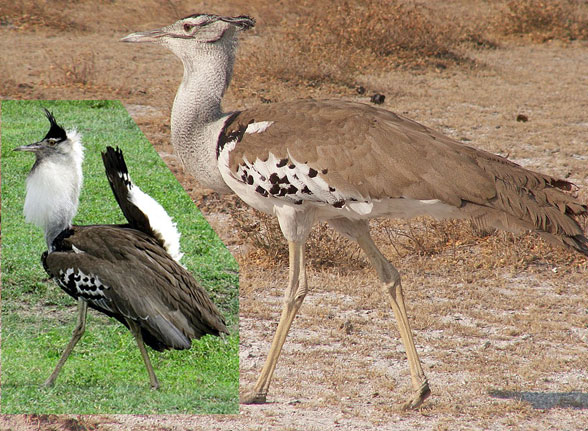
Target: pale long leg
{"x":295,"y":293}
{"x":77,"y":334}
{"x":390,"y":278}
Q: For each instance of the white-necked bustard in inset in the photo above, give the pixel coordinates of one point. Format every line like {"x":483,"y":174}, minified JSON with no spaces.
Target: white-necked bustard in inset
{"x":344,"y":162}
{"x":130,"y":272}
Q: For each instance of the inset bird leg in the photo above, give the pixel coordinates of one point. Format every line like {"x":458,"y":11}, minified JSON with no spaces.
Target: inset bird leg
{"x":136,"y":331}
{"x":77,"y":334}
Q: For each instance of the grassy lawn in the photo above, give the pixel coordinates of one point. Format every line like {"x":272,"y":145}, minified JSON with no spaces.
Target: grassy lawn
{"x":105,"y":373}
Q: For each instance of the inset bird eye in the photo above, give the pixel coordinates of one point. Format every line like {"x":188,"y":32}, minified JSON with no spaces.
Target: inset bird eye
{"x":188,"y":27}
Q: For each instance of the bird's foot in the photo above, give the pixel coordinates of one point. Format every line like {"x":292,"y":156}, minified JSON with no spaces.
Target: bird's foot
{"x":51,"y":379}
{"x":49,"y":383}
{"x":253,"y":397}
{"x":418,"y":398}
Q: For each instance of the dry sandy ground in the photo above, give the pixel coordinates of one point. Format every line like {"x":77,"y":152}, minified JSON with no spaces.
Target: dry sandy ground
{"x":501,"y":322}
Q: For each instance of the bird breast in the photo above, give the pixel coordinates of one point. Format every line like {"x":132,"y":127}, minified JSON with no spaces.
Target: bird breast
{"x":52,"y":195}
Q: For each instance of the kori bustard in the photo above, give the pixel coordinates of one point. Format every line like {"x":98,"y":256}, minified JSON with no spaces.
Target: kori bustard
{"x":305,"y":161}
{"x":130,"y":272}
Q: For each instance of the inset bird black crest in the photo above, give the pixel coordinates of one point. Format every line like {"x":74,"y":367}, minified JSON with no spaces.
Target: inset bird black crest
{"x":56,"y":131}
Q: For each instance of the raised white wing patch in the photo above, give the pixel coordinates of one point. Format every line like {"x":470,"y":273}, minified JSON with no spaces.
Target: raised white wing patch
{"x":258,"y":127}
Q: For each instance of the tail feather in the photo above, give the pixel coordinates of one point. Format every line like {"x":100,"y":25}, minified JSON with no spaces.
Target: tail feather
{"x":121,"y":185}
{"x":141,"y":211}
{"x":527,"y":200}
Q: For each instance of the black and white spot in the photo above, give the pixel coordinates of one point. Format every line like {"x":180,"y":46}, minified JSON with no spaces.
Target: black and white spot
{"x":88,"y":286}
{"x":289,"y":179}
{"x":285,"y":178}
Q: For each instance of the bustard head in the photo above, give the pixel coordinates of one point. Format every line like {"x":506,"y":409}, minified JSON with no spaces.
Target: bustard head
{"x":198,"y":31}
{"x":54,"y":183}
{"x":206,"y":44}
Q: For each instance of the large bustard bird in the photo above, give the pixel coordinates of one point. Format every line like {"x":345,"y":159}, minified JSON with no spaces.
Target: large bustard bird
{"x":130,"y":272}
{"x":305,"y":161}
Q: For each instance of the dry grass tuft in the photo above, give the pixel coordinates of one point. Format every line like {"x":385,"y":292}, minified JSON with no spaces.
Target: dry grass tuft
{"x":424,"y":236}
{"x":262,"y":232}
{"x":78,"y":71}
{"x":324,"y":247}
{"x":542,"y":20}
{"x":451,"y":241}
{"x":331,"y":43}
{"x":35,"y":15}
{"x":364,"y":33}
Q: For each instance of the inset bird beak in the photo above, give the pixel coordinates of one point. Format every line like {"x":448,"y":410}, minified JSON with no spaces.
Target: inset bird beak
{"x":145,"y":36}
{"x":30,"y":147}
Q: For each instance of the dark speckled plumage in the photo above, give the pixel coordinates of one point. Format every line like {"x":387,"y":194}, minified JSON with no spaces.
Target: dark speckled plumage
{"x":366,"y":153}
{"x":141,"y":281}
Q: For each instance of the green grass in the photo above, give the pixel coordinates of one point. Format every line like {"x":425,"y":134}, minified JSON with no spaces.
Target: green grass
{"x":105,"y":373}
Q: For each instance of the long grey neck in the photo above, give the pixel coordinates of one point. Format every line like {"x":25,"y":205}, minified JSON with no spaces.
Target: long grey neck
{"x":197,"y":116}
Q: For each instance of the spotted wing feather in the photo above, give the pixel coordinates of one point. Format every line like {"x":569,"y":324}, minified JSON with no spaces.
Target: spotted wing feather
{"x":344,"y":153}
{"x":125,"y":274}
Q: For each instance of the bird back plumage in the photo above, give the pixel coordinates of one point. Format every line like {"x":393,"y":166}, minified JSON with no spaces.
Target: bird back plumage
{"x":141,"y":211}
{"x":356,"y":154}
{"x":125,"y":273}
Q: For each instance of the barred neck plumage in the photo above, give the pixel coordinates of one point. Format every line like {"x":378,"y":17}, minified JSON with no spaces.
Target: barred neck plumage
{"x":206,"y":44}
{"x":197,"y":116}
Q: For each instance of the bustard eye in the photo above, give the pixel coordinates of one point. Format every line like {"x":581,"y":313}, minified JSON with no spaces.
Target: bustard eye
{"x":52,"y":141}
{"x":188,"y":27}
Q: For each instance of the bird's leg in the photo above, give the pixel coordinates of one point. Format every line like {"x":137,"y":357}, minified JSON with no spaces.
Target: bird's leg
{"x":295,"y":293}
{"x":392,"y":287}
{"x":77,"y":334}
{"x":136,"y":331}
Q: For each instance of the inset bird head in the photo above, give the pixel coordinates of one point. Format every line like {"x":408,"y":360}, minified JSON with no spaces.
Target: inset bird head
{"x":55,"y":180}
{"x":56,"y":143}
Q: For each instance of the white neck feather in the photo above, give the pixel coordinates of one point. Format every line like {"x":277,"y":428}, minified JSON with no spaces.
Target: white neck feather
{"x":53,"y":190}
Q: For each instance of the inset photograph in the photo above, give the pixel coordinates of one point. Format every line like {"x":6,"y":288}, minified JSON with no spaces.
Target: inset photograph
{"x":117,"y":295}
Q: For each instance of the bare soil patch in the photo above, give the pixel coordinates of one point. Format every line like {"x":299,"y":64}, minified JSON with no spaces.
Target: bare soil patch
{"x":501,"y":321}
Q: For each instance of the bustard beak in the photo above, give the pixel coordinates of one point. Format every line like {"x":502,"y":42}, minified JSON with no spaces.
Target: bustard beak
{"x":30,"y":147}
{"x":145,"y":36}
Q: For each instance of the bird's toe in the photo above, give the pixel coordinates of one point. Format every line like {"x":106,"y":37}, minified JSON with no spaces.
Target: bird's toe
{"x":253,"y":397}
{"x":419,"y":397}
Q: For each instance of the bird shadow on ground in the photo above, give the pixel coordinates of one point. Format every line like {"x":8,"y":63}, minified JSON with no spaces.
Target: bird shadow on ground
{"x":546,"y":400}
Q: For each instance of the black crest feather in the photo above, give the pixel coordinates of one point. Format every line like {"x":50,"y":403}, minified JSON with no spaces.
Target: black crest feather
{"x":242,"y":22}
{"x":56,"y":131}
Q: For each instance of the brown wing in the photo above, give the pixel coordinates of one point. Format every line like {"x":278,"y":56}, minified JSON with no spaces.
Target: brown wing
{"x":368,"y":151}
{"x":126,"y":274}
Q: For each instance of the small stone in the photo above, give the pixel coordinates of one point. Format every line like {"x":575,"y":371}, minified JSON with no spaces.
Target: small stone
{"x":378,"y":98}
{"x":347,"y":326}
{"x":522,"y":118}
